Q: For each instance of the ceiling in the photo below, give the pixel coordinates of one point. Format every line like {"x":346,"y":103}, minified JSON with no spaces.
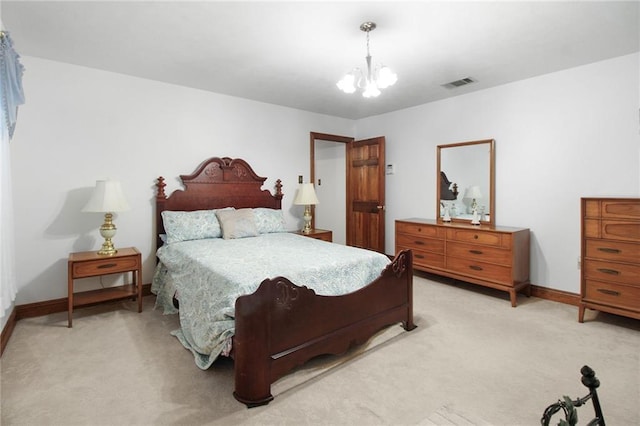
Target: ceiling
{"x":293,"y":53}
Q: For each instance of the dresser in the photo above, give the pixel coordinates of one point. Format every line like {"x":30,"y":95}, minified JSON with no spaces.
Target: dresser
{"x":491,"y":256}
{"x":610,"y":250}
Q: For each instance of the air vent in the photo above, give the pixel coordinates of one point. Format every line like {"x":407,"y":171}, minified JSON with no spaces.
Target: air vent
{"x":458,"y":83}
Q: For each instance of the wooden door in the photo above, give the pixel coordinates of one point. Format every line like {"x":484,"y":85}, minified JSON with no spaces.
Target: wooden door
{"x":365,"y":193}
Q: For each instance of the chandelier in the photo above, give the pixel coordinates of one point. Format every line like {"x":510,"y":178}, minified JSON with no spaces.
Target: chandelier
{"x":373,"y":79}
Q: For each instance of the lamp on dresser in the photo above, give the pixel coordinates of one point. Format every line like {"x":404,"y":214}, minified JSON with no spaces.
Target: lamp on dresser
{"x":107,"y":198}
{"x":306,"y":197}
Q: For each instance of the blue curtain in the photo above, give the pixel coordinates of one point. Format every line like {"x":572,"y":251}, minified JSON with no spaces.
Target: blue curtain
{"x":11,"y":94}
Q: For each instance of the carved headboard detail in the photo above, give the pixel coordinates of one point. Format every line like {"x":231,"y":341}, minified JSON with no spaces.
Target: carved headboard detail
{"x":216,"y":183}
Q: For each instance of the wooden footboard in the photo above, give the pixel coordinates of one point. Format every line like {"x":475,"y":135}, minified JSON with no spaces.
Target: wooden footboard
{"x":281,"y":325}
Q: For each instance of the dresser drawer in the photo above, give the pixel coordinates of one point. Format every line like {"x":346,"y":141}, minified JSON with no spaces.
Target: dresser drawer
{"x":611,"y":271}
{"x":620,"y":209}
{"x":620,"y":230}
{"x":426,"y":259}
{"x":420,"y":243}
{"x":486,"y":271}
{"x":104,"y":267}
{"x":613,"y":250}
{"x":479,"y":253}
{"x":496,"y":239}
{"x":612,"y":294}
{"x":419,"y":230}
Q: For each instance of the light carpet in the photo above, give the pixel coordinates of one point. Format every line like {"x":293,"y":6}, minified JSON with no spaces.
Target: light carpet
{"x":472,"y":360}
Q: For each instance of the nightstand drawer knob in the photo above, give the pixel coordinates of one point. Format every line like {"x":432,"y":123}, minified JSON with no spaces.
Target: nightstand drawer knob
{"x":609,"y":292}
{"x":108,"y":265}
{"x":609,"y":271}
{"x":608,"y":250}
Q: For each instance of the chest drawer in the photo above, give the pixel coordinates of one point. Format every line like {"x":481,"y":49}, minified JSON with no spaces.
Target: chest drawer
{"x":420,"y":243}
{"x":479,"y":253}
{"x":611,"y":271}
{"x":486,"y":271}
{"x":420,"y":230}
{"x":496,"y":239}
{"x":104,"y":266}
{"x":620,"y":209}
{"x":612,"y":294}
{"x":613,"y":250}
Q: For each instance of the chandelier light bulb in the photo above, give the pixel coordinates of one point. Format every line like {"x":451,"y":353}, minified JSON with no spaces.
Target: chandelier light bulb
{"x":386,"y":77}
{"x":368,"y":81}
{"x":348,"y":83}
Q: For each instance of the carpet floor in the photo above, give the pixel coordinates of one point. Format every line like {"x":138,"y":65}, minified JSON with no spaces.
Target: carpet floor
{"x":473,"y":360}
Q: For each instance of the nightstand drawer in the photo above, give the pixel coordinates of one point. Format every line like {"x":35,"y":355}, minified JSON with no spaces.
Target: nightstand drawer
{"x":104,"y":267}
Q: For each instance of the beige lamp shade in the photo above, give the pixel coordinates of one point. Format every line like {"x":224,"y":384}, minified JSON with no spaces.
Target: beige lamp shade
{"x":306,"y":195}
{"x":473,"y":192}
{"x":107,"y":197}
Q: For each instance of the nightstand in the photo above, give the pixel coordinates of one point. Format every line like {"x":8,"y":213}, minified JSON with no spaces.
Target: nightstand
{"x":318,"y":234}
{"x":90,"y":264}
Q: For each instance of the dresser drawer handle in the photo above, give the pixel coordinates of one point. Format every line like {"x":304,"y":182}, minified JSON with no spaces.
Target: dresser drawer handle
{"x":475,"y":267}
{"x":609,"y":271}
{"x":108,"y":265}
{"x":419,"y":243}
{"x":475,"y":237}
{"x":608,"y":250}
{"x":475,"y":251}
{"x":419,"y":256}
{"x":609,"y":292}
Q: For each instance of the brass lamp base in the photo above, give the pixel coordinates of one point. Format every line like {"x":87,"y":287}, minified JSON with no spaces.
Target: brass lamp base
{"x":108,"y":231}
{"x":307,"y":220}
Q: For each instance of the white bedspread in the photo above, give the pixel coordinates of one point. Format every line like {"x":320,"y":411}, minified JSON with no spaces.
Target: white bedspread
{"x":210,"y":274}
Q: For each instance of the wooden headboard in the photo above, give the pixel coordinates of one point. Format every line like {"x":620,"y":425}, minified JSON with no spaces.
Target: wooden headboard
{"x":216,"y":183}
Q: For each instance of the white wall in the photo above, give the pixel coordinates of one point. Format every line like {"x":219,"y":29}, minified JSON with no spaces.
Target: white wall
{"x":558,"y":137}
{"x":81,"y":124}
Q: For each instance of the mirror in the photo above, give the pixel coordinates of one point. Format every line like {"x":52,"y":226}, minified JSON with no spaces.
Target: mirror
{"x":466,"y":182}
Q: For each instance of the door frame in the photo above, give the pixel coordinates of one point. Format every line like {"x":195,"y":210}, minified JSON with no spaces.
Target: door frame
{"x":313,"y":136}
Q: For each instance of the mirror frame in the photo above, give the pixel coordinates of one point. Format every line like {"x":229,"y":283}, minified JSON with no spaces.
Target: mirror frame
{"x":492,"y":184}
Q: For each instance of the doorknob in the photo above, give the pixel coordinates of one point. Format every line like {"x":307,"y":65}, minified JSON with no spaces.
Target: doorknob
{"x":380,"y":207}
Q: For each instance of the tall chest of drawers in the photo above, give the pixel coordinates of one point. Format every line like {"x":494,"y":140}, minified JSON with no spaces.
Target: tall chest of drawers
{"x":610,"y":250}
{"x":491,"y":256}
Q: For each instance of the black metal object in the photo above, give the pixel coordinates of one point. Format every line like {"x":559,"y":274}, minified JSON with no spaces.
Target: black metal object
{"x":568,"y":406}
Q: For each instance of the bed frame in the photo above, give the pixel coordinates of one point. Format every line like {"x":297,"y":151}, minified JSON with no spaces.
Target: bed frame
{"x":282,"y":325}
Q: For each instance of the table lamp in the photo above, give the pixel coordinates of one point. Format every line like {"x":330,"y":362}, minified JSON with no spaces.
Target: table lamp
{"x":107,"y":198}
{"x":306,"y":196}
{"x":473,"y":193}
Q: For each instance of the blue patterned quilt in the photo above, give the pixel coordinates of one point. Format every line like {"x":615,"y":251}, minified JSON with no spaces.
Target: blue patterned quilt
{"x":210,"y":274}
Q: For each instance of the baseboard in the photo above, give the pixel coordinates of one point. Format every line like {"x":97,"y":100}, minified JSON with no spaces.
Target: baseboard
{"x":7,"y":330}
{"x":555,"y":295}
{"x":38,"y":309}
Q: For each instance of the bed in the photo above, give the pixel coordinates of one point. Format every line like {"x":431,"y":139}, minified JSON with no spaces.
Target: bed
{"x":277,"y":322}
